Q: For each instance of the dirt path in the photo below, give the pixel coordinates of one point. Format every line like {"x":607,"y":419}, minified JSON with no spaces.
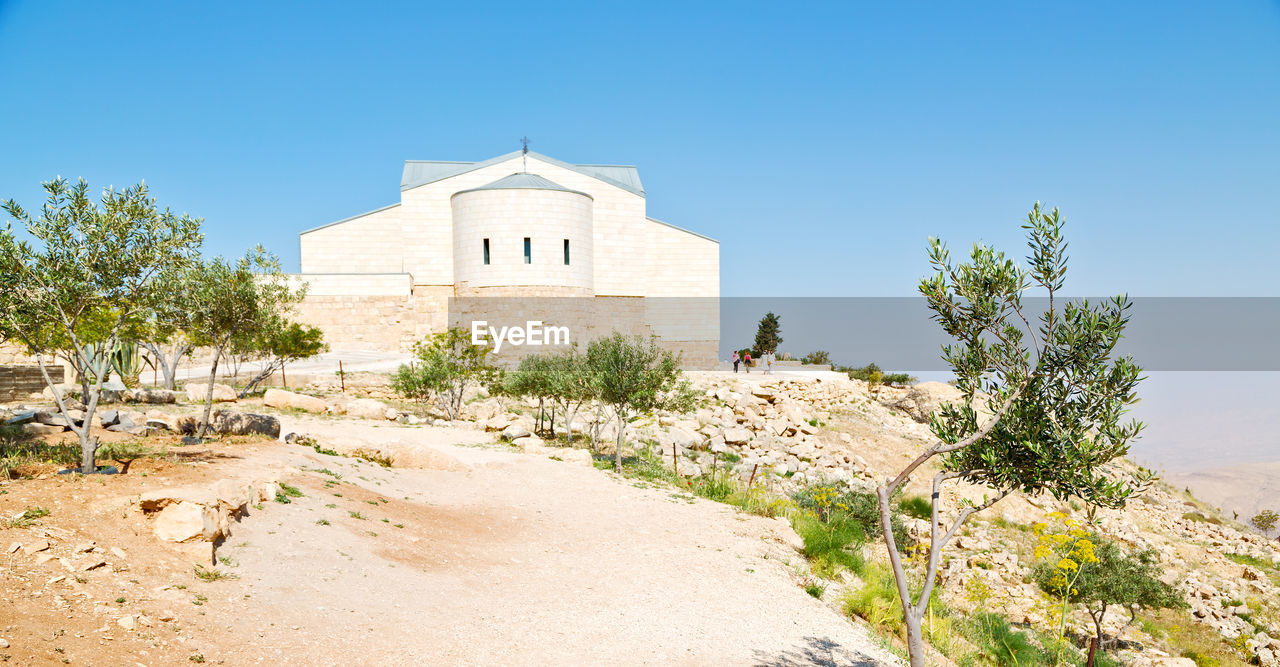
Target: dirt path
{"x":504,"y":559}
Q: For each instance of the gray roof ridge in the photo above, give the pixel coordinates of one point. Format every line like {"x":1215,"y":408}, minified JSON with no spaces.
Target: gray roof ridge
{"x":348,"y":219}
{"x":507,"y":156}
{"x":682,"y":229}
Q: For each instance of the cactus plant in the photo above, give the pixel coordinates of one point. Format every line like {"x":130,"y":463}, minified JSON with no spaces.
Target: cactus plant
{"x":126,"y":362}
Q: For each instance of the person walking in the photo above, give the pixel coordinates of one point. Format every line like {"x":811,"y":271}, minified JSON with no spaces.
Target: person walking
{"x":746,"y":360}
{"x":768,"y":362}
{"x":736,"y":360}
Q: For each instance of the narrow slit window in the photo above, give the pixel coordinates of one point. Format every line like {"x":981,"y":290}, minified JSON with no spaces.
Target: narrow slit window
{"x":566,"y":252}
{"x":528,"y":250}
{"x":486,"y":251}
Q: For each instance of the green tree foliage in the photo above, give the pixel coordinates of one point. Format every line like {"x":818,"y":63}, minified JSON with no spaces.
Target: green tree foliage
{"x":1042,"y":404}
{"x":233,"y":301}
{"x":768,"y":334}
{"x":283,"y":342}
{"x":532,"y":378}
{"x":635,"y":377}
{"x":573,"y":385}
{"x":88,"y":278}
{"x":1117,"y":579}
{"x":1265,"y":520}
{"x":874,"y":375}
{"x":446,"y":365}
{"x":816,"y":358}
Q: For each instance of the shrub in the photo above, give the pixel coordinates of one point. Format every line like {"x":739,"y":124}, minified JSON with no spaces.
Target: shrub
{"x":1265,"y":520}
{"x":816,"y":358}
{"x":1001,"y":643}
{"x":18,"y":449}
{"x":877,"y":602}
{"x":1084,"y":568}
{"x":861,"y":507}
{"x":916,"y":506}
{"x":758,"y":501}
{"x":833,"y":543}
{"x":718,"y":486}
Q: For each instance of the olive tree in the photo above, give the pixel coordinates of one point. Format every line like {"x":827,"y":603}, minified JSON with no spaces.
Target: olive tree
{"x":282,"y":343}
{"x":1265,"y":520}
{"x":573,"y":385}
{"x":232,"y":300}
{"x":1042,"y":405}
{"x":447,"y":365}
{"x":634,"y":377}
{"x":88,"y":276}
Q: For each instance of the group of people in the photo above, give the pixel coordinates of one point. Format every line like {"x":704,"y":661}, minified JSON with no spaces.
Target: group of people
{"x":745,"y":360}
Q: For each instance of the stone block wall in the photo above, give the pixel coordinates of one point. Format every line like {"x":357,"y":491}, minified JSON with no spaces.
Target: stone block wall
{"x":387,"y":323}
{"x":17,"y":382}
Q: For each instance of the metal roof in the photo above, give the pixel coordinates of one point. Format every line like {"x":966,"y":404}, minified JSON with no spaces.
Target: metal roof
{"x":422,"y":172}
{"x":525,"y":181}
{"x":682,"y":229}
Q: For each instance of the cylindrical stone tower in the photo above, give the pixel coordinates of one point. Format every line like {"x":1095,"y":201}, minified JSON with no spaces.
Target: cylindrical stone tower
{"x":522,"y":235}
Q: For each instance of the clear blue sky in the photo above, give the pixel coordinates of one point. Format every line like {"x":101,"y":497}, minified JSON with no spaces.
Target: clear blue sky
{"x":821,"y":144}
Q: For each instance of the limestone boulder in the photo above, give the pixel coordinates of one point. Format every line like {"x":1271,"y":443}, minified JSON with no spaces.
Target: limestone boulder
{"x":151,"y":396}
{"x":367,"y":408}
{"x":685,"y":438}
{"x":186,"y":521}
{"x":226,"y":422}
{"x":108,"y":418}
{"x":38,"y":429}
{"x":529,"y":443}
{"x":737,"y":435}
{"x":51,"y":418}
{"x":920,"y":401}
{"x":196,"y":392}
{"x":113,"y":391}
{"x":515,"y":432}
{"x":279,"y":398}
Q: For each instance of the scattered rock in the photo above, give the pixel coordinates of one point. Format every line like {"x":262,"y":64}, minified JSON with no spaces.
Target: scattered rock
{"x":186,"y":521}
{"x":196,"y":392}
{"x":367,"y":408}
{"x":23,"y":417}
{"x":515,"y":432}
{"x":38,"y":429}
{"x":279,"y":398}
{"x":159,"y":425}
{"x":226,"y":422}
{"x":737,"y":435}
{"x":154,"y":396}
{"x":529,"y":443}
{"x":49,"y":418}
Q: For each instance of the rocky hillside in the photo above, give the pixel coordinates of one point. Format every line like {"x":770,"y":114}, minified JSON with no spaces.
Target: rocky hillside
{"x":789,"y":433}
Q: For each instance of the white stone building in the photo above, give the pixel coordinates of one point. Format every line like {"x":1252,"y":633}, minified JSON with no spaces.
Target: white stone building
{"x":514,"y":237}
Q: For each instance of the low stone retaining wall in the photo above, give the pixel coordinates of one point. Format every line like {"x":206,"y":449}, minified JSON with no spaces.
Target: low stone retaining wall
{"x":19,"y":382}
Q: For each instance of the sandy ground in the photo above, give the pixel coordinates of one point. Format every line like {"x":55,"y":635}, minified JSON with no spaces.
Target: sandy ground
{"x":503,"y":559}
{"x":1244,"y":489}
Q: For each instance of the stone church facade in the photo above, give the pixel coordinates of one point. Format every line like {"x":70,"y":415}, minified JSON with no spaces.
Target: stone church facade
{"x":518,"y":238}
